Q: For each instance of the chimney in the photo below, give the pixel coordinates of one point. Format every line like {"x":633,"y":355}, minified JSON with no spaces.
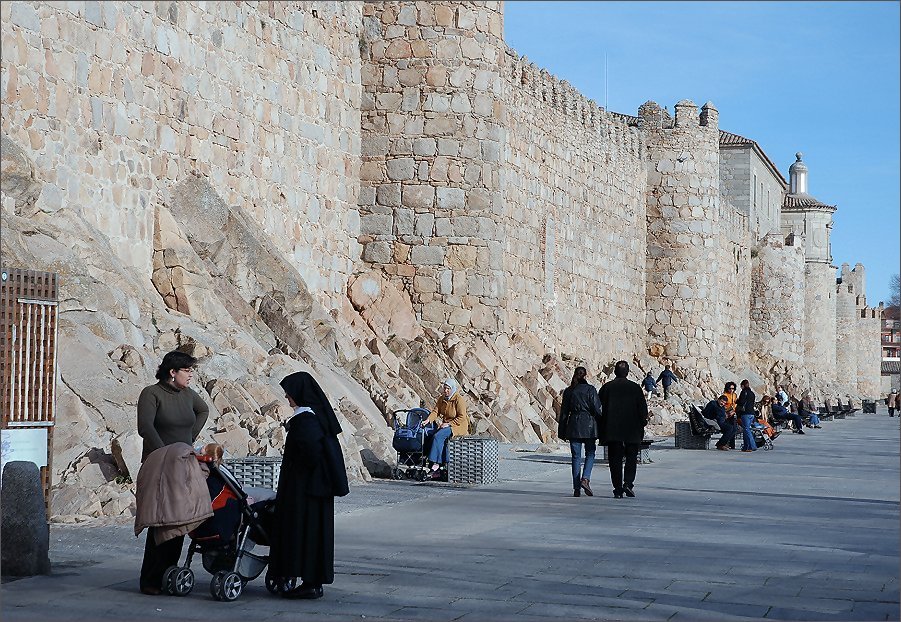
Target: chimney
{"x":798,"y":176}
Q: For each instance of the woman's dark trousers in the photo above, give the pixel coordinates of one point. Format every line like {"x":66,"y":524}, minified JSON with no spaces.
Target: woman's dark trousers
{"x":616,"y":452}
{"x":158,"y":557}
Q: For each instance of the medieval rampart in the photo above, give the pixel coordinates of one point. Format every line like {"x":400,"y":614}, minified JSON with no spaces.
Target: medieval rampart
{"x":574,"y":223}
{"x":119,"y":101}
{"x":432,"y":148}
{"x":734,"y":243}
{"x":777,"y":302}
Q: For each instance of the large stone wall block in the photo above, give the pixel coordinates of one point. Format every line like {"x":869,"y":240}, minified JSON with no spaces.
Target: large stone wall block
{"x":427,"y":255}
{"x":451,"y":198}
{"x":419,"y":197}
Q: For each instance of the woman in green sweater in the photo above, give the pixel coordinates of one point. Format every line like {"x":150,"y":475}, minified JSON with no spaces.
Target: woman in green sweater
{"x":168,"y":412}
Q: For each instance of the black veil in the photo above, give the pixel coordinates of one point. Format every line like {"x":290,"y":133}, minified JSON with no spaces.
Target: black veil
{"x":305,"y":391}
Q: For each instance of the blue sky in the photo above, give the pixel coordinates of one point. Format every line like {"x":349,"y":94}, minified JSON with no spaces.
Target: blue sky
{"x":817,"y":77}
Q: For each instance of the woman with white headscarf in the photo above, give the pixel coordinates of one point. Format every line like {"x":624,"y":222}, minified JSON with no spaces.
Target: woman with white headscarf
{"x":450,"y":414}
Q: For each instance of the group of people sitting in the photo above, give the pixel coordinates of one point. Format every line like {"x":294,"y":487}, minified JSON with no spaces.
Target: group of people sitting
{"x":740,"y":411}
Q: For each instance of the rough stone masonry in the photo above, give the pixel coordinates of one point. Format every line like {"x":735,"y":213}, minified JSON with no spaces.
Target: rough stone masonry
{"x":384,"y":193}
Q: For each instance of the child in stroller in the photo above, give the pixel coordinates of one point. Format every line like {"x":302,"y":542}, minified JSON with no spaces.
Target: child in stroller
{"x":240,"y":521}
{"x":763,"y":433}
{"x":412,"y":441}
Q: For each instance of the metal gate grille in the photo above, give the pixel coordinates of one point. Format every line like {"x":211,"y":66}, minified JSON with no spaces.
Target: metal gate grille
{"x":28,"y":338}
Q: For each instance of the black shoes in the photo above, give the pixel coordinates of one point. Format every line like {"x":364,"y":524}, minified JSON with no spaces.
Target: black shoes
{"x":618,"y":493}
{"x":577,"y":492}
{"x":304,"y":591}
{"x":586,"y":486}
{"x":628,"y":490}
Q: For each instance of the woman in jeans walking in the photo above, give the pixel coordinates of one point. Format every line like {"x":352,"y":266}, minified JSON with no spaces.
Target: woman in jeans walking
{"x":578,"y":423}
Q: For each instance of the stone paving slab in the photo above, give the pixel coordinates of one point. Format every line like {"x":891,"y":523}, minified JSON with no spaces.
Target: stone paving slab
{"x":808,"y":531}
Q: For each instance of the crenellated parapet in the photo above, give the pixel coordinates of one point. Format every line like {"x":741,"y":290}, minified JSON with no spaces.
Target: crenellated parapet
{"x":530,"y":79}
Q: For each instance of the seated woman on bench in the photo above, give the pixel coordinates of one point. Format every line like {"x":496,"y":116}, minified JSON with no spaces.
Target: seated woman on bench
{"x":450,"y":414}
{"x":808,"y":411}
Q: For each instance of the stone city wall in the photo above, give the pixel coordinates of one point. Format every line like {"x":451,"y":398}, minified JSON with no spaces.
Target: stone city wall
{"x":432,"y":149}
{"x":734,"y":242}
{"x":777,"y":302}
{"x":819,"y":320}
{"x":574,"y":223}
{"x":846,"y":317}
{"x":869,"y":352}
{"x":115,"y":102}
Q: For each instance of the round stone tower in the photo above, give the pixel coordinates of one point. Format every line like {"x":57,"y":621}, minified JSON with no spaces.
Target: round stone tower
{"x":846,"y":330}
{"x":811,"y":221}
{"x":432,"y":141}
{"x":683,"y":212}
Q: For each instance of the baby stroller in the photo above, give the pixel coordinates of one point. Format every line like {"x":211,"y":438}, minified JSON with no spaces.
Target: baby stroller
{"x":411,"y":441}
{"x":241,"y":520}
{"x":761,"y":438}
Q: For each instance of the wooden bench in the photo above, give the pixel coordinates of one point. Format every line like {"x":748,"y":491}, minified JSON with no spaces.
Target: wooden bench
{"x":694,"y":433}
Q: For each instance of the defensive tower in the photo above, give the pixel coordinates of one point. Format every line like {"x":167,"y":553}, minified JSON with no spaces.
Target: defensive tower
{"x":682,"y":158}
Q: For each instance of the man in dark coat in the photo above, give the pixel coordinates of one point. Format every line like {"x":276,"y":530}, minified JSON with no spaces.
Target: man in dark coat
{"x":312,"y":474}
{"x":745,"y":410}
{"x":625,"y":415}
{"x":716,"y":411}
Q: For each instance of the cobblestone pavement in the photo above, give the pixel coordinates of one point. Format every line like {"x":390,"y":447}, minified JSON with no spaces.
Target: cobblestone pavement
{"x":808,"y":531}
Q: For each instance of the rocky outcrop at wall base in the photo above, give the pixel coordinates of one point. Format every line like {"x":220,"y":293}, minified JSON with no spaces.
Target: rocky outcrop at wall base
{"x":220,"y":292}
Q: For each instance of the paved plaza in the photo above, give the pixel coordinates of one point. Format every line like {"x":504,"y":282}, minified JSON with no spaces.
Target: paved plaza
{"x":808,"y":531}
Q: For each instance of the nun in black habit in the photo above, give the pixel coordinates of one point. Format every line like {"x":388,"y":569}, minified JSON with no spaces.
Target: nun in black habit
{"x":312,"y":475}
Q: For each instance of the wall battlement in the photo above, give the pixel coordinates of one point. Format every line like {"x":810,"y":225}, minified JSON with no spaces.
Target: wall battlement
{"x":529,"y":78}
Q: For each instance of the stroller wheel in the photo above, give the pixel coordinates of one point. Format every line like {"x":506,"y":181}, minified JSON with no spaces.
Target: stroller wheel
{"x":181,"y":582}
{"x":226,"y":586}
{"x":397,"y":473}
{"x":168,"y":580}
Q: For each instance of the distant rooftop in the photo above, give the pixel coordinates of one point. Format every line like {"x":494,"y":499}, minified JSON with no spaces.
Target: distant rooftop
{"x":803,"y":201}
{"x":728,"y":139}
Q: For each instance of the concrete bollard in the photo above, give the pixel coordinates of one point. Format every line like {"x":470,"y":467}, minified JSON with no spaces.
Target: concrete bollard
{"x":24,"y":532}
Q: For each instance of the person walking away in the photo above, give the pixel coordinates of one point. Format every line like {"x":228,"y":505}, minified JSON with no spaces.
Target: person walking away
{"x":649,"y":385}
{"x":311,"y":476}
{"x":716,"y":411}
{"x":578,"y":423}
{"x":893,"y":401}
{"x":624,"y":416}
{"x":745,"y":409}
{"x":451,"y":410}
{"x":666,"y":378}
{"x":168,"y":412}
